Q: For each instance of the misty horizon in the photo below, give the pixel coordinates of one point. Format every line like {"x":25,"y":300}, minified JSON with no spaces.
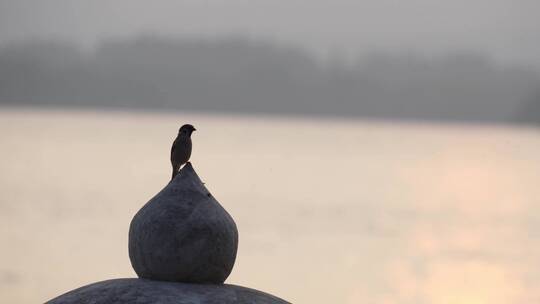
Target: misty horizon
{"x":462,"y":60}
{"x":245,"y":75}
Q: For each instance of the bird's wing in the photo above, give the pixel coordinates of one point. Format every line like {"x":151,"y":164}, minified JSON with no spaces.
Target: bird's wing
{"x":173,"y":148}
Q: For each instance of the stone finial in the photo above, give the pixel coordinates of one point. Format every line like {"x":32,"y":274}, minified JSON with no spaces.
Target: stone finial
{"x":183,"y":234}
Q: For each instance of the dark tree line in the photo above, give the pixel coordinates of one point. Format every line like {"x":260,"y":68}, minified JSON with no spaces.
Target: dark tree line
{"x":238,"y":75}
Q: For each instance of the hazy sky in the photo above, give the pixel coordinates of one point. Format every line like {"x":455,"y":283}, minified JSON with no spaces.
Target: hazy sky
{"x":505,"y":29}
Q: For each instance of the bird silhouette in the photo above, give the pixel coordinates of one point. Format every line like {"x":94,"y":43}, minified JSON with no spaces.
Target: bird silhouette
{"x":181,"y":148}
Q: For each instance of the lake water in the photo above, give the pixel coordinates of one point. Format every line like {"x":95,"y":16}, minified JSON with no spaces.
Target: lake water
{"x":329,"y":211}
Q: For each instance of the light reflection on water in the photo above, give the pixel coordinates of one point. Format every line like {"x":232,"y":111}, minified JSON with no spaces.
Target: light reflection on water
{"x":328,"y":211}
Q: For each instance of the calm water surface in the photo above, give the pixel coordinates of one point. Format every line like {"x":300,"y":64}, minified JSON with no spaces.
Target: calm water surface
{"x":328,"y":211}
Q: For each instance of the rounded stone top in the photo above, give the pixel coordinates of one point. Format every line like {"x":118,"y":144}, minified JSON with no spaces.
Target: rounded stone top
{"x":183,"y":234}
{"x":142,"y":291}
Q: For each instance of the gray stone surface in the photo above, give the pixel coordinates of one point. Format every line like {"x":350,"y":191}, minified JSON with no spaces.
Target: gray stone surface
{"x":142,"y":291}
{"x":183,"y":234}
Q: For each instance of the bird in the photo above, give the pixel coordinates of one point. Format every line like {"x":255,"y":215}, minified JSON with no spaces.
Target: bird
{"x":181,"y":148}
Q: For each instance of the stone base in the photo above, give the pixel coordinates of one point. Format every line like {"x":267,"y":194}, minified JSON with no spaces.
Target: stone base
{"x":143,"y":291}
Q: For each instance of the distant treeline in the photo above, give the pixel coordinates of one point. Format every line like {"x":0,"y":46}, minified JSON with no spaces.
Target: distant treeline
{"x":236,"y":75}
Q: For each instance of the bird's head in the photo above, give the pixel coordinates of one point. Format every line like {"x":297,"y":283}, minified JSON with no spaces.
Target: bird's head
{"x":186,"y":129}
